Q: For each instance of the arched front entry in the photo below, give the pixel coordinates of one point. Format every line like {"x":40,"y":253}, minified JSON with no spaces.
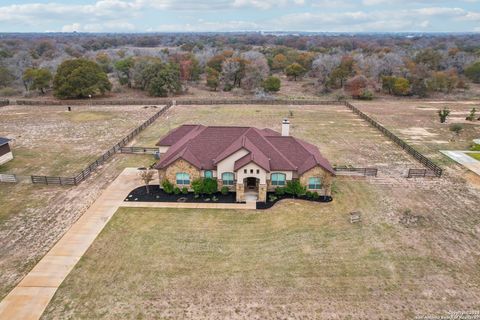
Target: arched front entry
{"x":251,"y":184}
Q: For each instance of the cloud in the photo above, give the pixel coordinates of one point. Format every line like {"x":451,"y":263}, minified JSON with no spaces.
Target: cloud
{"x":308,"y":15}
{"x":266,"y":4}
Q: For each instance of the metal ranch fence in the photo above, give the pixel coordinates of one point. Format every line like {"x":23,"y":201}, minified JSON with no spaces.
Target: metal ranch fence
{"x":139,"y":150}
{"x":8,"y":178}
{"x":420,"y":173}
{"x":366,"y":172}
{"x":117,"y":148}
{"x":417,"y":155}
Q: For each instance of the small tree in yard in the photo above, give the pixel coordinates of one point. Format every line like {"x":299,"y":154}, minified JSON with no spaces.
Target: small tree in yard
{"x":443,"y":114}
{"x":471,"y":116}
{"x":456,"y":128}
{"x":147,"y":177}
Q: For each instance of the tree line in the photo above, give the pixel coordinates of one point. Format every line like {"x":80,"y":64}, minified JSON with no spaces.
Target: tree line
{"x":164,"y":65}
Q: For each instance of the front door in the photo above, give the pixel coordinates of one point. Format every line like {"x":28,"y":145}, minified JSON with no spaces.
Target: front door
{"x":251,"y":183}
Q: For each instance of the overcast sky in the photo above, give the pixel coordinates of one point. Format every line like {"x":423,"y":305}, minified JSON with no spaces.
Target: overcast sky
{"x":239,"y":15}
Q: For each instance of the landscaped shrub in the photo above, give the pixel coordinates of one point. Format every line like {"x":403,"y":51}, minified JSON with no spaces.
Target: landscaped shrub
{"x":176,"y":190}
{"x":205,"y":186}
{"x":315,"y":195}
{"x":185,"y":190}
{"x":167,"y":186}
{"x":280,"y":191}
{"x":214,"y":199}
{"x":272,"y":198}
{"x":224,"y":190}
{"x":210,"y":186}
{"x":295,"y":188}
{"x":197,"y":186}
{"x":475,"y":147}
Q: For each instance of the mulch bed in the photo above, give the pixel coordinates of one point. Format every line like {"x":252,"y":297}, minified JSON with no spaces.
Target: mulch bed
{"x":269,"y":204}
{"x":158,"y":195}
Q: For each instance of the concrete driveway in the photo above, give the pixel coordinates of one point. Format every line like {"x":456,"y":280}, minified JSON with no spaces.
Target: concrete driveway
{"x":464,"y":159}
{"x":31,"y":296}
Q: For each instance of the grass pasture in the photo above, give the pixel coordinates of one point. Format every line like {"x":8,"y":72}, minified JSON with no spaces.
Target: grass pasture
{"x":49,"y":140}
{"x":418,"y":123}
{"x":296,"y":260}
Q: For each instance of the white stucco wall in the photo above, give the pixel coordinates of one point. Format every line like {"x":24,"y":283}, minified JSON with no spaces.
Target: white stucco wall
{"x":227,"y":164}
{"x":6,"y":157}
{"x":261,"y":175}
{"x":163,"y":149}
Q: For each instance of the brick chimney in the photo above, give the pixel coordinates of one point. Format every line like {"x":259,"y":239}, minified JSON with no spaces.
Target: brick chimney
{"x":285,"y":127}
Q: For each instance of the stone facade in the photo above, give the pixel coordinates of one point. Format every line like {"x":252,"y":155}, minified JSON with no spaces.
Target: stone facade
{"x":240,"y":189}
{"x":179,"y":166}
{"x":230,"y":188}
{"x":262,"y":193}
{"x":325,"y":179}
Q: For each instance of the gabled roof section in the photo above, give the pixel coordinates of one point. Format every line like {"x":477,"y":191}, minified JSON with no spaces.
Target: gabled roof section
{"x":176,"y":134}
{"x":303,"y":154}
{"x":259,"y":159}
{"x":204,"y":147}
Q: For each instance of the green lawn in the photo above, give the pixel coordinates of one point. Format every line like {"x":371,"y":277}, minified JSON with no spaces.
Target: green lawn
{"x":298,"y":258}
{"x":475,"y":156}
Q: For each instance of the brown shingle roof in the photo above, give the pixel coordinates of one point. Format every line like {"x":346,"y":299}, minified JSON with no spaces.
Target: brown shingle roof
{"x":204,"y":147}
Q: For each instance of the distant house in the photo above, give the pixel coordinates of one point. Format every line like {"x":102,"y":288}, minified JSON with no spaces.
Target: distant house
{"x":245,"y":159}
{"x":5,"y":151}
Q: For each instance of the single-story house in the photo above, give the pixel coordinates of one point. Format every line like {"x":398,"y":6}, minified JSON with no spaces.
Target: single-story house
{"x":5,"y":151}
{"x":245,"y":159}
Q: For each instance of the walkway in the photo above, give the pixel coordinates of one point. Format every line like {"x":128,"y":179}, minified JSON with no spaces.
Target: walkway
{"x":210,"y":205}
{"x":464,"y":159}
{"x":30,"y":297}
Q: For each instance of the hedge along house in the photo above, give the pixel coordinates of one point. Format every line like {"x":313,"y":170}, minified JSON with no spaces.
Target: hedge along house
{"x":247,"y":160}
{"x":5,"y":151}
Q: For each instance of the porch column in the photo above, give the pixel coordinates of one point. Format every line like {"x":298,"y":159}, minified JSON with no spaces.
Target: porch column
{"x":262,"y":192}
{"x":240,"y":189}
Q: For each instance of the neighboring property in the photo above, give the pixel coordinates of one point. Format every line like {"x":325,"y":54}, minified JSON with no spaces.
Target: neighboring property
{"x":247,"y":160}
{"x":5,"y":151}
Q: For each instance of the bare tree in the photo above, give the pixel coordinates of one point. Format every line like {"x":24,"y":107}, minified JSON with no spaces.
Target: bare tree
{"x":147,"y":177}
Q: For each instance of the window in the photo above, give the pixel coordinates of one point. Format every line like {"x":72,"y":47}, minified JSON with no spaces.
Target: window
{"x":227,"y":178}
{"x":278,"y":179}
{"x":251,"y":170}
{"x":244,"y":170}
{"x":183,"y":178}
{"x":208,"y":174}
{"x":314,"y":183}
{"x":258,"y":171}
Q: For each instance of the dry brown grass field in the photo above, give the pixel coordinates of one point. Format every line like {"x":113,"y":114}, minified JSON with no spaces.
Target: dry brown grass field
{"x":416,"y":252}
{"x":417,"y":122}
{"x":50,"y":140}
